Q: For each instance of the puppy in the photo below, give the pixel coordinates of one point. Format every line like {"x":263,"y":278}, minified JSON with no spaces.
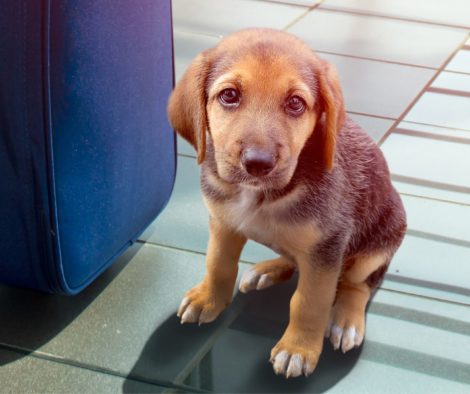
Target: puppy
{"x":282,"y":165}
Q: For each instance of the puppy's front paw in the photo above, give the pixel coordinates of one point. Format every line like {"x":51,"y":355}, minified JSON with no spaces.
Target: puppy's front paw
{"x":296,"y":356}
{"x":201,"y":305}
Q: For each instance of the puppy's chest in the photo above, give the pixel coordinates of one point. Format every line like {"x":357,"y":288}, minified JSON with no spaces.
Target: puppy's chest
{"x":254,"y":218}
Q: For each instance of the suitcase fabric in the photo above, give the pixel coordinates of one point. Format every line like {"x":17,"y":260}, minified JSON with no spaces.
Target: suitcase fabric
{"x":87,"y":157}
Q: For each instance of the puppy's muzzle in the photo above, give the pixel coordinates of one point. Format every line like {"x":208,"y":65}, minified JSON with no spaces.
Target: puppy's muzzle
{"x":258,"y":162}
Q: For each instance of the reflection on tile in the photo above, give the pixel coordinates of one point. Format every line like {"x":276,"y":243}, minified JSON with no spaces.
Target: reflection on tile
{"x":441,"y":110}
{"x":375,"y":127}
{"x":438,"y":217}
{"x":184,"y":223}
{"x":438,"y":262}
{"x":187,"y":46}
{"x":429,"y":160}
{"x":454,"y":81}
{"x":378,"y":38}
{"x":221,"y":17}
{"x":460,"y":62}
{"x":25,"y":374}
{"x":452,"y":12}
{"x":376,"y":88}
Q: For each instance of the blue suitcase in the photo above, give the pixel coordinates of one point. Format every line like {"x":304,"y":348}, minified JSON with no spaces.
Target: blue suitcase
{"x":87,"y":157}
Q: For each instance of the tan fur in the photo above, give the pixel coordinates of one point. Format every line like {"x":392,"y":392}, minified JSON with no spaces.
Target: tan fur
{"x":309,"y":311}
{"x":204,"y":302}
{"x":364,"y":265}
{"x":334,"y":109}
{"x":262,"y":227}
{"x":186,"y":107}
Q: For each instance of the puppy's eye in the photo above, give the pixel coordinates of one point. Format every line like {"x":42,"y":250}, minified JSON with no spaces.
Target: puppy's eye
{"x":229,"y":97}
{"x":295,"y":106}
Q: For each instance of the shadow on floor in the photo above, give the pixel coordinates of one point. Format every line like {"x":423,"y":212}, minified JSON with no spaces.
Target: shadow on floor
{"x":231,"y":354}
{"x":29,"y":319}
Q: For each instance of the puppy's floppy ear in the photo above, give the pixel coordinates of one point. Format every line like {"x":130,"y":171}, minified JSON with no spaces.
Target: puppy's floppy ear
{"x":332,"y":102}
{"x":187,"y":105}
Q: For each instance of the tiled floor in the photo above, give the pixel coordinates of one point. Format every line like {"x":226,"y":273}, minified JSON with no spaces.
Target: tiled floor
{"x":405,"y":70}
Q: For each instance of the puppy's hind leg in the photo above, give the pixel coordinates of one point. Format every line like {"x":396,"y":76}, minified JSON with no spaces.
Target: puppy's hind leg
{"x":347,"y":324}
{"x":267,"y":273}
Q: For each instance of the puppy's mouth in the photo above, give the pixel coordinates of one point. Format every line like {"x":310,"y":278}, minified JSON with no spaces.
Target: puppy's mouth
{"x":278,"y":178}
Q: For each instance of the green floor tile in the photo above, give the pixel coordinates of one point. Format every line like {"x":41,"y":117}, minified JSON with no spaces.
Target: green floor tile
{"x":187,"y":46}
{"x":220,"y":17}
{"x":124,"y":322}
{"x":454,"y":81}
{"x":377,"y":88}
{"x":26,"y":374}
{"x":378,"y":38}
{"x":454,"y":12}
{"x":432,"y":108}
{"x":375,"y":127}
{"x":429,"y":160}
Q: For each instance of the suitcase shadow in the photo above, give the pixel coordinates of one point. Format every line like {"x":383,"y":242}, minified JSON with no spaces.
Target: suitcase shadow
{"x":29,"y":319}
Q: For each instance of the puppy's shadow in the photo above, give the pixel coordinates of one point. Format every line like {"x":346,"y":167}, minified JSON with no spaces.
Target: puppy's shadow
{"x":231,"y":354}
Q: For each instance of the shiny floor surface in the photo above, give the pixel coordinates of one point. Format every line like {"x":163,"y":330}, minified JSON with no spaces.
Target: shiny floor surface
{"x":405,"y":70}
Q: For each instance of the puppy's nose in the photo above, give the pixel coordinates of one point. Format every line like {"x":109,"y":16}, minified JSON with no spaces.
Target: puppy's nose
{"x":258,"y":162}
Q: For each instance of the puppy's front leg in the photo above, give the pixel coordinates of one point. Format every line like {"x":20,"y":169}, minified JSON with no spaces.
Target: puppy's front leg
{"x":298,"y":350}
{"x":204,"y":302}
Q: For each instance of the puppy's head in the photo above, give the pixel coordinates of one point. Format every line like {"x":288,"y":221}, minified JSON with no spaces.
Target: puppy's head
{"x":258,"y":96}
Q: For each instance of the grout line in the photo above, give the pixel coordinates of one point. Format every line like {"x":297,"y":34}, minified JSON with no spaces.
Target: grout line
{"x":431,"y":184}
{"x":186,"y":155}
{"x":92,"y":368}
{"x":457,"y":72}
{"x":180,"y":249}
{"x":293,"y":22}
{"x":421,"y":93}
{"x":392,"y":17}
{"x":426,"y":134}
{"x":384,"y":287}
{"x":169,"y":247}
{"x":371,"y":115}
{"x":197,"y":33}
{"x":437,"y":126}
{"x":438,"y":238}
{"x":449,"y":92}
{"x":429,"y":285}
{"x":374,"y":59}
{"x":435,"y":199}
{"x":286,"y":2}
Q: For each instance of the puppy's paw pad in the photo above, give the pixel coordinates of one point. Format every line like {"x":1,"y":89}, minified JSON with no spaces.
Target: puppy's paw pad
{"x":254,"y":280}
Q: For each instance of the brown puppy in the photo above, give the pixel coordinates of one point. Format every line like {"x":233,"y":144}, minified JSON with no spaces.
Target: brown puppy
{"x":282,"y":165}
